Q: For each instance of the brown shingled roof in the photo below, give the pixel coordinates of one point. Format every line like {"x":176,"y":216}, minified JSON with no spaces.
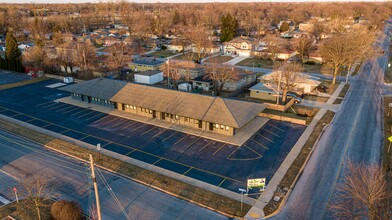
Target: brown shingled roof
{"x":207,"y":108}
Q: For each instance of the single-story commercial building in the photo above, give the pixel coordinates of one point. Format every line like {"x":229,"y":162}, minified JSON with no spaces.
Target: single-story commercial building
{"x":98,"y":91}
{"x":149,"y":77}
{"x":219,"y":115}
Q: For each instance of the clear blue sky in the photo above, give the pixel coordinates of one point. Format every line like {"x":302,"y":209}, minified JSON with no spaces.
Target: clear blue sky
{"x":175,"y":1}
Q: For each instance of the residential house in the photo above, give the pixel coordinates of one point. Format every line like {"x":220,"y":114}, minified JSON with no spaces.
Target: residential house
{"x":304,"y":82}
{"x":240,"y":46}
{"x":307,"y":27}
{"x":241,"y":79}
{"x":203,"y":83}
{"x":110,"y":40}
{"x":264,"y":91}
{"x":149,"y":77}
{"x":178,"y":45}
{"x":187,"y":70}
{"x":214,"y":114}
{"x":145,"y":64}
{"x":209,"y":50}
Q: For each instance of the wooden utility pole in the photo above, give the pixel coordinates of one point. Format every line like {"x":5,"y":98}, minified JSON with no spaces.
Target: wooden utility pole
{"x":95,"y":188}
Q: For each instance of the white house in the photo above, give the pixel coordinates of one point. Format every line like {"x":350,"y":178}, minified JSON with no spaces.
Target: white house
{"x":240,"y":46}
{"x":303,"y":82}
{"x":149,"y":77}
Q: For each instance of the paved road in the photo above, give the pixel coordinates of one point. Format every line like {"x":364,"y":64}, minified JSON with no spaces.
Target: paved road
{"x":19,"y":157}
{"x":355,"y":133}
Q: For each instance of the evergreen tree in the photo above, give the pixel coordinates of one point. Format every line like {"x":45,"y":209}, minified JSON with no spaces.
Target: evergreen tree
{"x":285,"y":26}
{"x":228,"y":28}
{"x":12,"y":51}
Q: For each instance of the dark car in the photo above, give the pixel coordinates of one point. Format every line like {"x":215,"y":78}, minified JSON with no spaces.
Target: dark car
{"x":296,"y":99}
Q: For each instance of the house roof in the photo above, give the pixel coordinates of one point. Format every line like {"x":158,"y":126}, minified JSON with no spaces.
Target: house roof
{"x":150,"y":62}
{"x":202,"y":78}
{"x":207,"y":108}
{"x":241,"y":39}
{"x":148,"y":72}
{"x":302,"y":78}
{"x":264,"y":87}
{"x":99,"y":88}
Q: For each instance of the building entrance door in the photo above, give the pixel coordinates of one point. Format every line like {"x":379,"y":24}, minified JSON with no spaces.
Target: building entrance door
{"x":211,"y":127}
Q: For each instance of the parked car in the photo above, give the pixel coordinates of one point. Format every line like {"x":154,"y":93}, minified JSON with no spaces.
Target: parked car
{"x":323,"y":89}
{"x":296,"y":99}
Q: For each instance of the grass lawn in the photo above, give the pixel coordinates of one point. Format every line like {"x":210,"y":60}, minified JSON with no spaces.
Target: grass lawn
{"x":388,"y":74}
{"x":256,"y":62}
{"x":22,"y":83}
{"x":186,"y":57}
{"x":176,"y":188}
{"x":293,"y":173}
{"x":219,"y":59}
{"x":387,"y":155}
{"x":342,"y":94}
{"x":163,"y":53}
{"x":331,"y":88}
{"x":25,"y":210}
{"x":317,"y":68}
{"x":316,"y":98}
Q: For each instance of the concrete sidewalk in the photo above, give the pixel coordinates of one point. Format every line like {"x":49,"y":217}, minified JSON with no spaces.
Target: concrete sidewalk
{"x":241,"y":136}
{"x":235,"y":60}
{"x":256,"y":212}
{"x":314,"y":104}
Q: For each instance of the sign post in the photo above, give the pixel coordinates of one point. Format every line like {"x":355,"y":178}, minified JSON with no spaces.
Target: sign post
{"x":242,"y":196}
{"x":99,"y":150}
{"x":16,"y":195}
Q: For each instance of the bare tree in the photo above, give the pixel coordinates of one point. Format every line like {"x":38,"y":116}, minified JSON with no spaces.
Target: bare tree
{"x":274,"y":46}
{"x":333,"y":53}
{"x":35,"y":56}
{"x":302,"y":46}
{"x":37,"y":189}
{"x":173,"y":76}
{"x":220,"y":74}
{"x":118,"y":54}
{"x":358,"y":47}
{"x":66,"y":56}
{"x":285,"y":77}
{"x":201,"y":42}
{"x":85,"y":57}
{"x":362,"y":193}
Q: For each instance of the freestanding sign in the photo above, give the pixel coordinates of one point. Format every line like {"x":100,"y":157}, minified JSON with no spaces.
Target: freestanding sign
{"x":256,"y":183}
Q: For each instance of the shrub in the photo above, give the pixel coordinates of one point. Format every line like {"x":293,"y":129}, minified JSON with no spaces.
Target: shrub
{"x":163,"y":47}
{"x":310,"y":62}
{"x":66,"y":210}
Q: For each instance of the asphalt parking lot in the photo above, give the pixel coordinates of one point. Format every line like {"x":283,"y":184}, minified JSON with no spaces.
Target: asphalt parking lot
{"x":210,"y":161}
{"x":7,"y":77}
